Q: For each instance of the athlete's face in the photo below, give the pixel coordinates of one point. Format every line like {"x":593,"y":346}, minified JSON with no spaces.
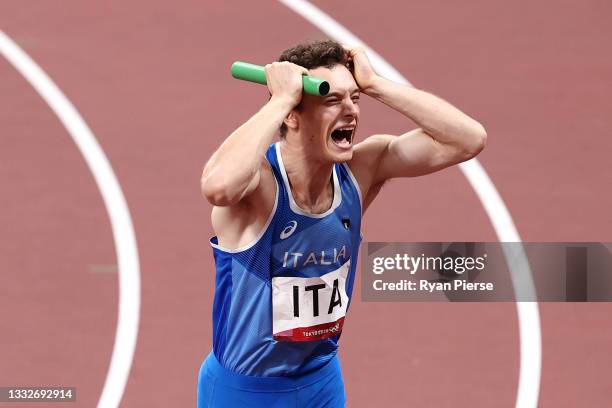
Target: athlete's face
{"x":329,"y":123}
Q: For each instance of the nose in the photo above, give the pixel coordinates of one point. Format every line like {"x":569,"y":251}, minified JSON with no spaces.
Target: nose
{"x":351,"y":109}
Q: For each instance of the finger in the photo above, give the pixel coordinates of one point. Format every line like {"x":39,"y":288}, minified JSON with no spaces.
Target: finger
{"x":300,"y":68}
{"x":349,"y":49}
{"x":294,"y":65}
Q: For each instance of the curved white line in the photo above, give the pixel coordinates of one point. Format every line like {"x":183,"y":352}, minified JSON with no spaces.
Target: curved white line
{"x":116,"y":206}
{"x":528,"y":314}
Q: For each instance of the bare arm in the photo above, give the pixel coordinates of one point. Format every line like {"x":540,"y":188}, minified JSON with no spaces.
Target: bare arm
{"x":446,"y":136}
{"x":233,"y":171}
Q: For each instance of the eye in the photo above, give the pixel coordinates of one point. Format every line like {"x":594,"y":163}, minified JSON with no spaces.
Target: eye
{"x":356,"y":98}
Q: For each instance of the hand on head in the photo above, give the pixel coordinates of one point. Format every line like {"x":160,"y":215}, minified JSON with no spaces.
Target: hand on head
{"x":360,"y":67}
{"x":285,"y":81}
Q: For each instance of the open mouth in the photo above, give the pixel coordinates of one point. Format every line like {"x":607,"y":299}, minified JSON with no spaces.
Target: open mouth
{"x":343,"y":136}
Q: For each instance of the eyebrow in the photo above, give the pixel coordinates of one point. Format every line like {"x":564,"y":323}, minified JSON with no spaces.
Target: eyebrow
{"x":337,"y":94}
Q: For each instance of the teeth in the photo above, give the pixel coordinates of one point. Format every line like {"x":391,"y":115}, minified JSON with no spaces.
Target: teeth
{"x":343,"y":135}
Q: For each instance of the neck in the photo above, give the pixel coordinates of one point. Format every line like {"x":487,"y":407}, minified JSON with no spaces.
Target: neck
{"x":308,"y":176}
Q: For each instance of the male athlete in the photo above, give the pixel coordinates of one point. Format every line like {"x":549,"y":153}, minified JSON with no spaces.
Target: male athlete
{"x":288,"y":216}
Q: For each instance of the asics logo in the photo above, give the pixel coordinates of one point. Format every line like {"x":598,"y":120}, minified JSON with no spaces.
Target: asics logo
{"x":289,"y":229}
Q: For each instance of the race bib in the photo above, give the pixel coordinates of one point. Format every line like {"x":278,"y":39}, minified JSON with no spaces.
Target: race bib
{"x":306,"y":309}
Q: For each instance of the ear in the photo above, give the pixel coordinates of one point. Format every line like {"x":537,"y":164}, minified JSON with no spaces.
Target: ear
{"x":292,"y":120}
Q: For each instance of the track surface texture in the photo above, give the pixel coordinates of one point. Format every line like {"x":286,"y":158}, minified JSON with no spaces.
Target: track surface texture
{"x":151,"y":79}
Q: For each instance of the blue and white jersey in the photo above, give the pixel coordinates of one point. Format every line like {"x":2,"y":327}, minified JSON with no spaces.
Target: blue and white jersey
{"x":280,"y":302}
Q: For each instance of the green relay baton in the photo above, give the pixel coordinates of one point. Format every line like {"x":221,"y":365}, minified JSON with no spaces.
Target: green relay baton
{"x":256,"y":73}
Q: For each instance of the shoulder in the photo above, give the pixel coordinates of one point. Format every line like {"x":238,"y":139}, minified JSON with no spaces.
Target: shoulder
{"x":369,"y":151}
{"x":366,"y":159}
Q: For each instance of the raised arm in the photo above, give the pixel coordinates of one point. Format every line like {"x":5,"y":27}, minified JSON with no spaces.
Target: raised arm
{"x":234,"y":170}
{"x":446,"y":136}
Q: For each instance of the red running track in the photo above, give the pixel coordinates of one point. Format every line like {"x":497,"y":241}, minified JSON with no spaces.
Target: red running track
{"x":151,"y":80}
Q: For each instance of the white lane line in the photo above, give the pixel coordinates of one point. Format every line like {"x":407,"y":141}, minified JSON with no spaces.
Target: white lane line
{"x":116,"y":206}
{"x":530,"y":368}
{"x":528,"y":314}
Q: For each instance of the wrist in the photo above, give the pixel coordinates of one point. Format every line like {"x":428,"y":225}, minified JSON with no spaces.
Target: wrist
{"x":283,"y":102}
{"x":373,"y":87}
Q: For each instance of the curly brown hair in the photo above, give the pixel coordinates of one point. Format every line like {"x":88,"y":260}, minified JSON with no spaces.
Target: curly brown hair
{"x":320,"y":53}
